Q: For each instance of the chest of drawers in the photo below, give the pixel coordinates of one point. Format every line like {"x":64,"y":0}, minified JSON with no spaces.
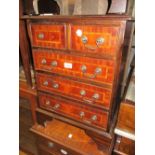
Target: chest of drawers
{"x":77,"y":62}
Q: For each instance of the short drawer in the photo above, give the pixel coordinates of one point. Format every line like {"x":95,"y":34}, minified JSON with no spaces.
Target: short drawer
{"x":74,"y":110}
{"x":97,"y":70}
{"x":95,"y":39}
{"x":87,"y":93}
{"x":48,"y":36}
{"x":53,"y":148}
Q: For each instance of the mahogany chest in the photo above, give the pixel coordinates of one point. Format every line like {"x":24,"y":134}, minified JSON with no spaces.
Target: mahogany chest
{"x":77,"y":60}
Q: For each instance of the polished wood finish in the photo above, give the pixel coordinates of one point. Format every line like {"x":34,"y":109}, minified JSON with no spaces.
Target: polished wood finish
{"x":126,"y":117}
{"x":50,"y":36}
{"x":109,"y":32}
{"x":24,"y":46}
{"x":70,"y":65}
{"x":70,"y":88}
{"x":73,"y":110}
{"x":27,"y":117}
{"x":26,"y":92}
{"x":58,"y":133}
{"x":124,"y":146}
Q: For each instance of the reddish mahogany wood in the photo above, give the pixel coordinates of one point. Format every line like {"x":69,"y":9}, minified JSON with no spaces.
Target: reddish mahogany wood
{"x":76,"y":62}
{"x":26,"y":92}
{"x":109,"y":32}
{"x":57,"y":132}
{"x":124,"y":146}
{"x":24,"y":46}
{"x":73,"y":110}
{"x":73,"y":88}
{"x":68,"y":88}
{"x":51,"y":36}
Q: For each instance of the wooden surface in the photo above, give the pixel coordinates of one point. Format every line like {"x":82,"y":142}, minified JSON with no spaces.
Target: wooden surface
{"x":73,"y":110}
{"x":71,"y":88}
{"x":126,"y":120}
{"x":52,"y":36}
{"x":124,"y":146}
{"x":75,"y":62}
{"x":29,"y":93}
{"x":26,"y":138}
{"x":24,"y":46}
{"x":66,"y":42}
{"x":59,"y":132}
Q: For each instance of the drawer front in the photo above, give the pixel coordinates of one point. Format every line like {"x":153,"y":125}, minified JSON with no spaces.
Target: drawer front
{"x":48,"y":36}
{"x":54,"y":148}
{"x":95,"y":39}
{"x":97,"y":96}
{"x":97,"y":70}
{"x":82,"y":113}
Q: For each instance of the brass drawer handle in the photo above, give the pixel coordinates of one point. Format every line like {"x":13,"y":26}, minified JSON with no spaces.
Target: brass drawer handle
{"x":56,"y":106}
{"x":47,"y":102}
{"x":84,"y":39}
{"x":99,"y":41}
{"x":55,"y":85}
{"x":43,"y":61}
{"x":45,"y":83}
{"x":82,"y":92}
{"x":97,"y":71}
{"x":82,"y":114}
{"x":41,"y":35}
{"x":94,"y":118}
{"x":96,"y":96}
{"x":54,"y":63}
{"x":63,"y":151}
{"x":50,"y":144}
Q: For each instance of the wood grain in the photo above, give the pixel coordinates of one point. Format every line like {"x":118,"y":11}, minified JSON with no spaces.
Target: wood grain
{"x":72,"y":88}
{"x":52,"y":36}
{"x":75,"y":62}
{"x":73,"y":110}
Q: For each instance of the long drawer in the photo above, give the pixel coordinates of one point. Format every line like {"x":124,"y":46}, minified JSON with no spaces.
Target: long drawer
{"x":91,"y":69}
{"x":87,"y":93}
{"x":48,"y":36}
{"x":100,"y":39}
{"x":74,"y":110}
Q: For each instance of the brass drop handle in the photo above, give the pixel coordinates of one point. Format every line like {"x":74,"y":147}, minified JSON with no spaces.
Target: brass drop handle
{"x":50,"y":144}
{"x":82,"y":92}
{"x":47,"y":102}
{"x":55,"y":85}
{"x":84,"y":39}
{"x":41,"y":35}
{"x":43,"y":61}
{"x":97,"y":71}
{"x":56,"y":106}
{"x":83,"y":68}
{"x":99,"y":41}
{"x":54,"y":63}
{"x":82,"y":114}
{"x":45,"y":83}
{"x":94,"y":118}
{"x":96,"y":96}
